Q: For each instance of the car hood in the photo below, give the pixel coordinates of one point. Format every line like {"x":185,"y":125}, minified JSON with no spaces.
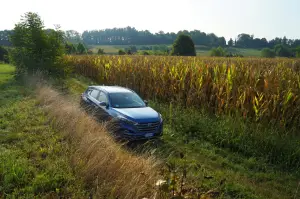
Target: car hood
{"x":145,"y":114}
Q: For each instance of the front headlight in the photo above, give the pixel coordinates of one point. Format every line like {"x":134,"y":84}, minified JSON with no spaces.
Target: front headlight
{"x":123,"y":119}
{"x":161,"y":119}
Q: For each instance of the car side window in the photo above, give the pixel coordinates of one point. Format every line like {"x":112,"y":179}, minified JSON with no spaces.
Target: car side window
{"x":94,"y":93}
{"x":102,"y":97}
{"x":88,"y":91}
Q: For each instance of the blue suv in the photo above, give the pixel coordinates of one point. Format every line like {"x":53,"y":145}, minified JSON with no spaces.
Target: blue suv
{"x":135,"y":119}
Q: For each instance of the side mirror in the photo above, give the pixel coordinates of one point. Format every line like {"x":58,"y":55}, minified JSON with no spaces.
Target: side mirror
{"x":146,"y":102}
{"x":104,"y":104}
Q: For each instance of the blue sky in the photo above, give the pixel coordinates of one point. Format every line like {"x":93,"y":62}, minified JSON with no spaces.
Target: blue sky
{"x":263,"y":18}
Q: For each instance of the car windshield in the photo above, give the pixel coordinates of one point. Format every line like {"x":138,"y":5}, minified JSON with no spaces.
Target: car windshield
{"x":126,"y":100}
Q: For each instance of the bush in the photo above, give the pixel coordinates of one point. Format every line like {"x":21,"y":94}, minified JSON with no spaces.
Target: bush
{"x":128,"y":52}
{"x":81,"y":49}
{"x":184,"y":46}
{"x":70,"y":48}
{"x":298,"y":52}
{"x":36,"y":49}
{"x":145,"y":53}
{"x":3,"y":54}
{"x":131,"y":50}
{"x":145,"y":48}
{"x":230,"y":54}
{"x":121,"y":52}
{"x":154,"y":52}
{"x":267,"y":52}
{"x":283,"y":51}
{"x":218,"y":52}
{"x":100,"y":51}
{"x":165,"y":53}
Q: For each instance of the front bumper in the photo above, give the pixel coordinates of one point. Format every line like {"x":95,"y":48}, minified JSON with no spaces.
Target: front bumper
{"x":130,"y":133}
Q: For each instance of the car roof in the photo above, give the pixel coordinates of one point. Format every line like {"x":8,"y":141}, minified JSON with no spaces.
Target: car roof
{"x":112,"y":89}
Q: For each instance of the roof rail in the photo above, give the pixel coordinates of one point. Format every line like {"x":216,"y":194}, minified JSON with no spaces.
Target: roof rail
{"x":103,"y":89}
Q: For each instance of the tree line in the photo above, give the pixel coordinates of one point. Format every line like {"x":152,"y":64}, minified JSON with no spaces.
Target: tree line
{"x":131,"y":36}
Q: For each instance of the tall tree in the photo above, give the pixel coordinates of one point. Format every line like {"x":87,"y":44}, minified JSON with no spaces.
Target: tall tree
{"x":72,"y":36}
{"x":36,"y":49}
{"x":244,"y":40}
{"x":221,"y":41}
{"x":184,"y":46}
{"x":230,"y":42}
{"x":70,"y":48}
{"x":284,"y":40}
{"x":81,"y":49}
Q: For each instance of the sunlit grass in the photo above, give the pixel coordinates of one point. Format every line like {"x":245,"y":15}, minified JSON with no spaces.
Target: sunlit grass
{"x":34,"y":158}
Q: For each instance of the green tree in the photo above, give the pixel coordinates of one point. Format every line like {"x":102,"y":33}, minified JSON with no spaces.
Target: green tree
{"x":133,"y":49}
{"x":145,"y":48}
{"x":230,"y":42}
{"x":267,"y":52}
{"x":218,"y":52}
{"x":72,"y":36}
{"x":81,"y":49}
{"x":145,"y":53}
{"x":297,"y":50}
{"x":283,"y":51}
{"x":101,"y":51}
{"x":244,"y":41}
{"x":70,"y":48}
{"x":3,"y":54}
{"x":221,"y":41}
{"x":128,"y":52}
{"x":36,"y":49}
{"x":184,"y":46}
{"x":121,"y":52}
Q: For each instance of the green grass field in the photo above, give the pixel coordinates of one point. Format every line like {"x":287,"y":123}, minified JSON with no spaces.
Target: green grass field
{"x":245,"y":52}
{"x":107,"y":49}
{"x":200,"y":50}
{"x":34,"y":158}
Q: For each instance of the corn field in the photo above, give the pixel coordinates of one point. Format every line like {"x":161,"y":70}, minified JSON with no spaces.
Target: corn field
{"x":260,"y":89}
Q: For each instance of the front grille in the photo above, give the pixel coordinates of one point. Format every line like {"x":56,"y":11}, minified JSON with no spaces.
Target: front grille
{"x":147,"y":127}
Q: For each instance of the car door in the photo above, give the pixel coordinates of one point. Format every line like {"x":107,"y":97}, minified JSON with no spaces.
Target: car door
{"x":102,"y":97}
{"x":93,"y":98}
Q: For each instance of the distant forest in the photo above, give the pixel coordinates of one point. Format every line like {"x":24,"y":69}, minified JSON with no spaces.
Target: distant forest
{"x":131,"y":36}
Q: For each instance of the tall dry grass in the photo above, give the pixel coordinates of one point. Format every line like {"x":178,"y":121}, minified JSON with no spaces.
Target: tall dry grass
{"x":104,"y":165}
